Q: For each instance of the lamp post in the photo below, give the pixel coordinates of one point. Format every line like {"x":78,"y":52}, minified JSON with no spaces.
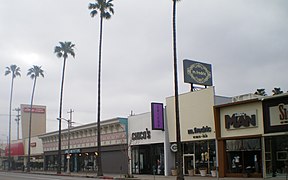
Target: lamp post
{"x":69,"y":121}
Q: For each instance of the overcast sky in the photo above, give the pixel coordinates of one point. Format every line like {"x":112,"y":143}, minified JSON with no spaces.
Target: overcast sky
{"x":244,"y":40}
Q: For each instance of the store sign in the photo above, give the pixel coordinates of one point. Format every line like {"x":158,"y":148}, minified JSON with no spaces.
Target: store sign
{"x":157,"y":116}
{"x":34,"y":110}
{"x":197,"y":73}
{"x":73,"y":151}
{"x":173,"y":147}
{"x":141,"y":135}
{"x":279,"y":115}
{"x":240,"y":120}
{"x":200,"y":132}
{"x":33,"y":144}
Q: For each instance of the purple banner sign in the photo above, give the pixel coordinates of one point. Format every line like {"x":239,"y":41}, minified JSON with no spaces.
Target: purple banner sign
{"x":157,"y":116}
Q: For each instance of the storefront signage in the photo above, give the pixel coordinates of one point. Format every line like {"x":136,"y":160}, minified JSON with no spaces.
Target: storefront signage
{"x":240,"y":120}
{"x":279,"y":115}
{"x":196,"y":130}
{"x":73,"y":151}
{"x":141,"y":135}
{"x":197,"y":73}
{"x":157,"y":116}
{"x":173,"y":147}
{"x":33,"y":144}
{"x":34,"y":110}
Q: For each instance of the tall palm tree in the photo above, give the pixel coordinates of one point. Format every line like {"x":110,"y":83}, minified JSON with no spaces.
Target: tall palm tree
{"x":14,"y":71}
{"x":34,"y":73}
{"x":179,"y":161}
{"x":106,"y":9}
{"x":63,"y":50}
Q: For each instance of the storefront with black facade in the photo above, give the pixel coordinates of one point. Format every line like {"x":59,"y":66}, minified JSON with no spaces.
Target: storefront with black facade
{"x":275,"y":111}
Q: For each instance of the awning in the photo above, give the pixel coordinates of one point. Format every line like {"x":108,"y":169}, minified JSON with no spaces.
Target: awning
{"x":16,"y":149}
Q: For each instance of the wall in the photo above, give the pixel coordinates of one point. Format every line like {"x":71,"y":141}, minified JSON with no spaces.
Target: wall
{"x":196,"y":111}
{"x":137,"y":125}
{"x":254,"y":108}
{"x":38,"y":125}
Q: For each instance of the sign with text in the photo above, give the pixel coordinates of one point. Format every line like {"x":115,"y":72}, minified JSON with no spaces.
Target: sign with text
{"x":197,"y":73}
{"x":157,"y":116}
{"x":275,"y":114}
{"x":279,"y":115}
{"x":34,"y":110}
{"x":241,"y":120}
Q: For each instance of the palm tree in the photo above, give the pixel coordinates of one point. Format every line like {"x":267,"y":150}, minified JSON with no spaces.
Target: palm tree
{"x":179,"y":161}
{"x":14,"y":71}
{"x":105,"y":8}
{"x":260,"y":92}
{"x":277,"y":91}
{"x":34,"y":73}
{"x":63,"y":50}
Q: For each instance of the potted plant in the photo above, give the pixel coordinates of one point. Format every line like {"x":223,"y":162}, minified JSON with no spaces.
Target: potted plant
{"x":213,"y":171}
{"x":190,"y":171}
{"x":203,"y":170}
{"x":174,"y":171}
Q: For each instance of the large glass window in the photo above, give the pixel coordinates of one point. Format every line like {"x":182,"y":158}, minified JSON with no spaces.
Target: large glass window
{"x":276,"y":155}
{"x":244,"y":156}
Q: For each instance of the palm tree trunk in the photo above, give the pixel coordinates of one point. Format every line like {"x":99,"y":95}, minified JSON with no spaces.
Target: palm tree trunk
{"x":178,"y":135}
{"x":29,"y":130}
{"x":60,"y":116}
{"x":99,"y":161}
{"x":10,"y":111}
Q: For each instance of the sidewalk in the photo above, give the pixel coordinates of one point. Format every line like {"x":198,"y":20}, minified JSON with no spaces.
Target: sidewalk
{"x":145,"y":177}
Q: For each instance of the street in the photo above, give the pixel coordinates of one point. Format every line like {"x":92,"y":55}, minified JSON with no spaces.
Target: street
{"x":26,"y":176}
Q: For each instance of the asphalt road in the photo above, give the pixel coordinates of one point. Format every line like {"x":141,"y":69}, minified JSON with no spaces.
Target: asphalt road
{"x":25,"y":176}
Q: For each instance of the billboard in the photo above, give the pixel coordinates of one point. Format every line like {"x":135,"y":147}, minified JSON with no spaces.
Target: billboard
{"x":157,"y":116}
{"x":197,"y":73}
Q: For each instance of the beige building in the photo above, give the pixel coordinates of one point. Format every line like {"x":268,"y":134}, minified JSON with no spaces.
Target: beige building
{"x":38,"y":125}
{"x":197,"y":128}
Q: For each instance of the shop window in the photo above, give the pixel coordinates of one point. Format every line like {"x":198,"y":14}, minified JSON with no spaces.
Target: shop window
{"x":205,"y":155}
{"x":276,"y":156}
{"x":244,"y":156}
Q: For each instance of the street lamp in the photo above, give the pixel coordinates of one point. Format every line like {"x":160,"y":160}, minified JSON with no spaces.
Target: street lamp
{"x":69,"y":121}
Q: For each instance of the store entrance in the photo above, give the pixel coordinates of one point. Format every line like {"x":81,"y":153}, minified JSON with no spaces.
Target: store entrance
{"x":189,"y":163}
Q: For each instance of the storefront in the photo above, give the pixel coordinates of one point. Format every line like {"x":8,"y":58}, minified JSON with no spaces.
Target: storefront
{"x":83,"y":148}
{"x":146,"y":146}
{"x":276,"y":135}
{"x":239,"y":130}
{"x":197,"y":129}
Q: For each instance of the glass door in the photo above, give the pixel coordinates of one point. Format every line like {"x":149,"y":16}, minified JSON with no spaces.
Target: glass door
{"x":188,"y":162}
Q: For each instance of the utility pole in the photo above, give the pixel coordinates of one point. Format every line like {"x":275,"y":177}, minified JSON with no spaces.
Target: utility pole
{"x":69,"y":126}
{"x":17,"y":120}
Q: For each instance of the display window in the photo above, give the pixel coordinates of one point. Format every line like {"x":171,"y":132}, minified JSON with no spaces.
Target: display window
{"x":244,"y":156}
{"x":199,"y":155}
{"x":276,"y":156}
{"x":148,"y":159}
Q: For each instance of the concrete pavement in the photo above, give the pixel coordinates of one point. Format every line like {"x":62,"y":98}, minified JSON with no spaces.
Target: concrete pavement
{"x":146,"y":177}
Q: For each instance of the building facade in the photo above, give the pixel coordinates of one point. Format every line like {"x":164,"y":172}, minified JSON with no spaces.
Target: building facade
{"x":83,"y":147}
{"x":239,"y":130}
{"x":146,"y":145}
{"x":275,"y":116}
{"x":197,"y":128}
